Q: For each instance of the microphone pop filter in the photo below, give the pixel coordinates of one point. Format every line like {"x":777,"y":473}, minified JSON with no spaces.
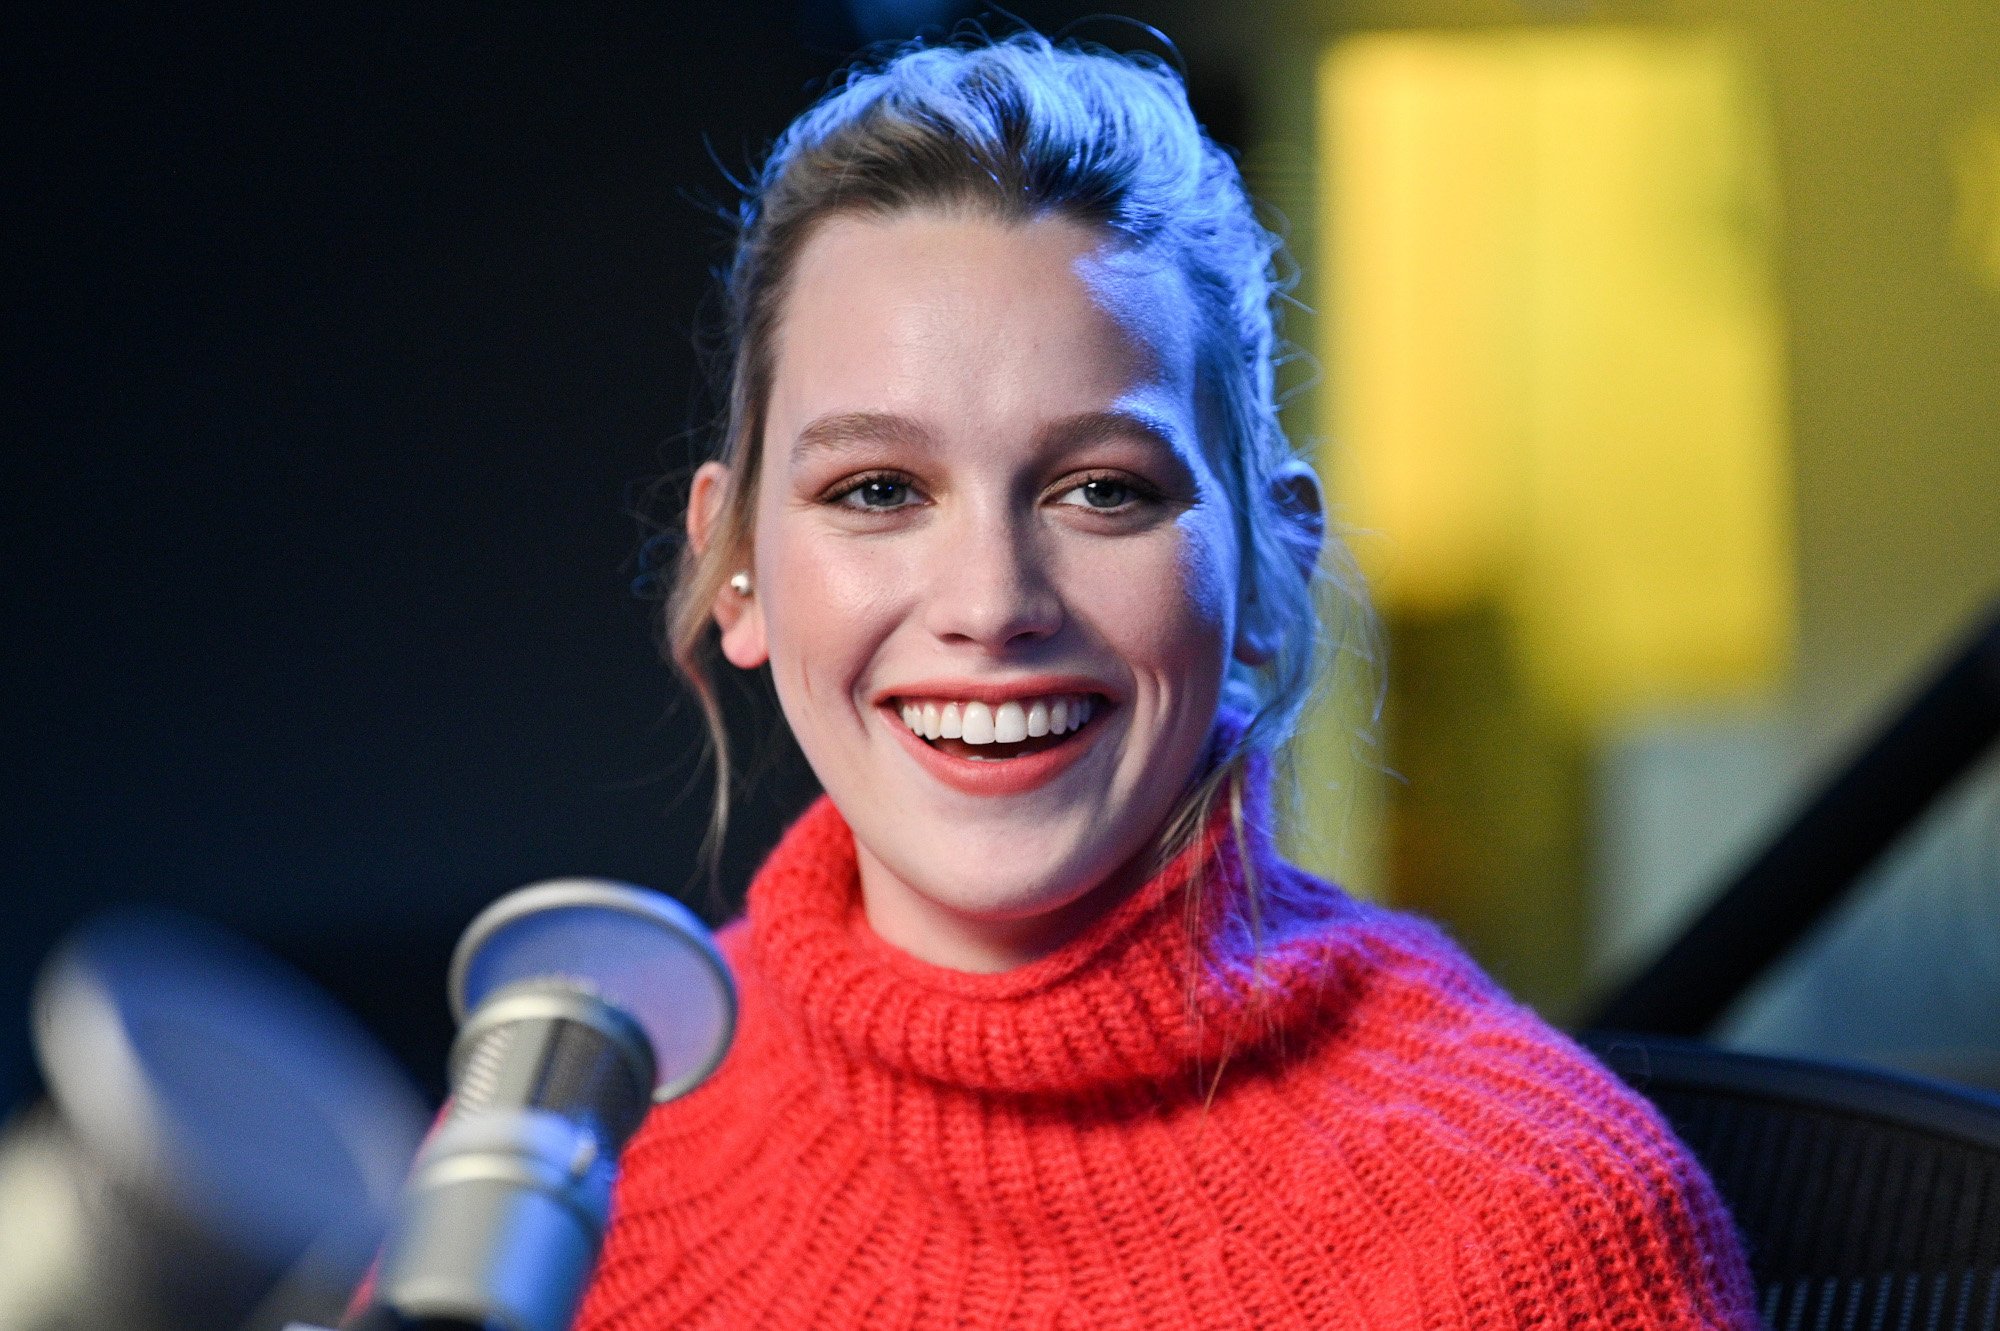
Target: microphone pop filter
{"x":643,"y":953}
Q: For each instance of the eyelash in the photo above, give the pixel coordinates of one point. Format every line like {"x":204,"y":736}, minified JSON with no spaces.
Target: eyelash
{"x":1138,"y":492}
{"x":846,"y":490}
{"x":843,"y":496}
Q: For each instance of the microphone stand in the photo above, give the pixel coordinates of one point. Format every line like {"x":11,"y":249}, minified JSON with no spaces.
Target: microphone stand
{"x":583,"y":1004}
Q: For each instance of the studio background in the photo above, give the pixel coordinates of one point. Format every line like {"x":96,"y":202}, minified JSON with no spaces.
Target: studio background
{"x":345,"y":344}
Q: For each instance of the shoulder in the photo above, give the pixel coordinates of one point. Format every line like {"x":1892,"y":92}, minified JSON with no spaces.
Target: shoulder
{"x":1568,"y":1178}
{"x":1425,"y":1027}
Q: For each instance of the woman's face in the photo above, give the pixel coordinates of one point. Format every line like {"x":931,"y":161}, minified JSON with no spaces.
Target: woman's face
{"x":995,"y":574}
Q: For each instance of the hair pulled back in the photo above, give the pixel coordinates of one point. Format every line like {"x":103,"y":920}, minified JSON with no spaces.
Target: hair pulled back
{"x":1015,"y":129}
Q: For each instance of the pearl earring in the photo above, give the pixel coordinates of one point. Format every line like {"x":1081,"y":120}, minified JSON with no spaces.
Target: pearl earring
{"x":739,"y":582}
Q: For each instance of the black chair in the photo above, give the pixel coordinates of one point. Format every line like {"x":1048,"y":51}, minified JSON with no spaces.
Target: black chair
{"x":1868,"y":1200}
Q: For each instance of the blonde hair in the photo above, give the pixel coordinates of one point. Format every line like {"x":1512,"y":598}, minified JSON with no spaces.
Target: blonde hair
{"x":1014,"y":129}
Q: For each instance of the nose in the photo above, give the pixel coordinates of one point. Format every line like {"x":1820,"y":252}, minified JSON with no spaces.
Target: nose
{"x":990,"y":584}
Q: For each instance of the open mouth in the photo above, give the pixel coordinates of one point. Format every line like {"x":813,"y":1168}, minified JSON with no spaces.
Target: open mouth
{"x":997,"y":732}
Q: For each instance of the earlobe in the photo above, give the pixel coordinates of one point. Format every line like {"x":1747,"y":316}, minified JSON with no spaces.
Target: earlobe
{"x":743,"y":644}
{"x":737,"y":611}
{"x":1294,"y":498}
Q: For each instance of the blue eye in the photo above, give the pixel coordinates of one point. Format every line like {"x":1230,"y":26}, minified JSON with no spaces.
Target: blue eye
{"x":1104,"y":493}
{"x":876,"y":493}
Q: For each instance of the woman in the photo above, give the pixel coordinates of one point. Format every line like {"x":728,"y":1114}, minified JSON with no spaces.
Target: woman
{"x":1037,"y":1030}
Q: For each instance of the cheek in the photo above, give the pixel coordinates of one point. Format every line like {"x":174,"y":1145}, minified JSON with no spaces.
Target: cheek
{"x":828,"y":601}
{"x":1207,"y":571}
{"x":1175,"y":601}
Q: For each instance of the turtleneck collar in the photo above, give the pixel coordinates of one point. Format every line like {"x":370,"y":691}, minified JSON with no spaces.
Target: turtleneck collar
{"x":1164,"y":985}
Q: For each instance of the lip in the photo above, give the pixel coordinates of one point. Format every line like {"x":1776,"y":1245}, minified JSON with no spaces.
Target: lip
{"x":994,"y":692}
{"x":994,"y":777}
{"x":1009,"y":776}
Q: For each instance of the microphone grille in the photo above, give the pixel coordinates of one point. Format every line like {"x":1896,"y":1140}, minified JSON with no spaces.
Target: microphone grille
{"x":479,"y":1082}
{"x":583,"y":1072}
{"x":555,"y":1049}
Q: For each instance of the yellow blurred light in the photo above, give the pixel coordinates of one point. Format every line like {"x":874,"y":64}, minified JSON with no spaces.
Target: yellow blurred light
{"x":1558,"y":380}
{"x":1975,"y":161}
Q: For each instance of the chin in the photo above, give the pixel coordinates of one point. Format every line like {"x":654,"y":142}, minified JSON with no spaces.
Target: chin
{"x":1006,"y":895}
{"x":986,"y":883}
{"x":975,"y":880}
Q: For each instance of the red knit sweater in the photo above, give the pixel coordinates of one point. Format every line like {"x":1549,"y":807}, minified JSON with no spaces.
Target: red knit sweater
{"x":1143,"y":1130}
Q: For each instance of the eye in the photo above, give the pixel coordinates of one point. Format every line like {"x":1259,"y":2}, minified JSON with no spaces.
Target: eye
{"x":1104,"y":493}
{"x":875,"y":494}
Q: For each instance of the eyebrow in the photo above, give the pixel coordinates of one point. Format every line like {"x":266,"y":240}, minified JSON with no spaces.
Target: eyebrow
{"x":1090,"y":427}
{"x":850,"y":429}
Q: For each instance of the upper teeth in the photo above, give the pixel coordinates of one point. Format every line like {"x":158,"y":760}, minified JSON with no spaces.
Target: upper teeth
{"x":1010,"y":722}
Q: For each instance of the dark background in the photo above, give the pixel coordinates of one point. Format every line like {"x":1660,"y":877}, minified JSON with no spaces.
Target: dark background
{"x":345,"y":344}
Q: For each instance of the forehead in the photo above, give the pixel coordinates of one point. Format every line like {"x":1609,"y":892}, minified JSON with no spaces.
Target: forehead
{"x":978,"y":325}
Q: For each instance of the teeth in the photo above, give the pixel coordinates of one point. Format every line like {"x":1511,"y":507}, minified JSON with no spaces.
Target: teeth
{"x":1008,"y":723}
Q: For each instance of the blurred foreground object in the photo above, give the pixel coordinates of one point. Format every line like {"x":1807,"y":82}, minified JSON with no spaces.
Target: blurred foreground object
{"x":582,"y":1002}
{"x":220,"y":1146}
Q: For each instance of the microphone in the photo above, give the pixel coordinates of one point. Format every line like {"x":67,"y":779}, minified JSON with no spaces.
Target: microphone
{"x":581,"y":1002}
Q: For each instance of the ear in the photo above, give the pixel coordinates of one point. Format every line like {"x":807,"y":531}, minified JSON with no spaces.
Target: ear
{"x":739,"y":616}
{"x":1294,"y":499}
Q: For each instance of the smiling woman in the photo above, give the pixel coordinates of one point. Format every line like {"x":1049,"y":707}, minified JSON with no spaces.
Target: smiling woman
{"x":983,"y":494}
{"x":1036,"y":1027}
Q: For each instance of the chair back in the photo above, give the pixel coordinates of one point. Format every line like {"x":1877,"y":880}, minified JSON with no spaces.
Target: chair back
{"x":1867,"y":1200}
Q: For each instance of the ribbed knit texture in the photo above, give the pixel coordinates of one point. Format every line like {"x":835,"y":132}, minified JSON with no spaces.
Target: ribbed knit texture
{"x":1144,"y":1130}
